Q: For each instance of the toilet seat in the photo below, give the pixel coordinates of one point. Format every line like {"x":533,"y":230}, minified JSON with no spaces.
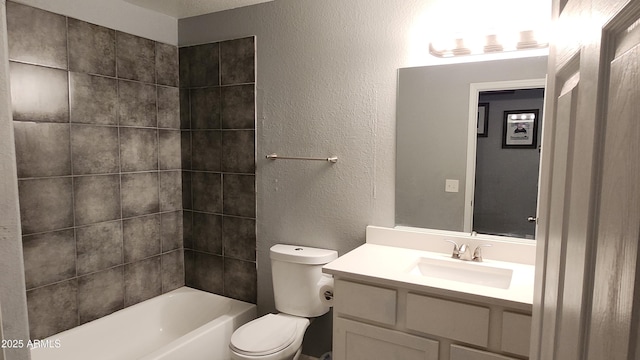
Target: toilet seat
{"x":267,"y":335}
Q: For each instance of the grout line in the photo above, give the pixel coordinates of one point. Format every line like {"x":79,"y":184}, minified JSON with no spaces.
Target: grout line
{"x":106,"y":221}
{"x":73,"y":191}
{"x":107,"y":125}
{"x":124,"y":295}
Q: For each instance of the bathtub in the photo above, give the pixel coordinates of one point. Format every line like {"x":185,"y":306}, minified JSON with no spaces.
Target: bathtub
{"x":179,"y":325}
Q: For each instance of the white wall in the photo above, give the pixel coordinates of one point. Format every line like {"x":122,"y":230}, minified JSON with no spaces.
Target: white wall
{"x":12,"y":289}
{"x":326,"y":83}
{"x":115,"y":14}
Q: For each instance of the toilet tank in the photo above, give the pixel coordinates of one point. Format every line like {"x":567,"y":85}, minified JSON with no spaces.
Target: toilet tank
{"x":297,"y":276}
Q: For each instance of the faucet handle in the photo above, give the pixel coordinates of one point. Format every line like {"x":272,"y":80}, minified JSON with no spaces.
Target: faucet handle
{"x":477,"y":253}
{"x":456,"y":250}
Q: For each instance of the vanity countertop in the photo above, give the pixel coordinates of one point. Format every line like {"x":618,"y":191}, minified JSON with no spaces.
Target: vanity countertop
{"x":390,"y":266}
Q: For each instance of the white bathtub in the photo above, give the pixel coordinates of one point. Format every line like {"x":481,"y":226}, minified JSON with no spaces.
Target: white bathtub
{"x":179,"y":325}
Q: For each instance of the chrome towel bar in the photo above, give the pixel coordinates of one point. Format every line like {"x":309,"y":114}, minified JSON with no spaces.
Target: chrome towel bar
{"x":333,"y":159}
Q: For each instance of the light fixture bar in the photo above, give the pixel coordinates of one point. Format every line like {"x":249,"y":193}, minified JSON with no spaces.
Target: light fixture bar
{"x":527,"y":41}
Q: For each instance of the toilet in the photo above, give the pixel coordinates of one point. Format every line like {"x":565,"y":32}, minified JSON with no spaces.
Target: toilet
{"x":297,"y":278}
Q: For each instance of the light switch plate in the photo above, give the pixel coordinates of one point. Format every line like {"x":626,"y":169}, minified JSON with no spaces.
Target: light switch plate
{"x":451,"y":185}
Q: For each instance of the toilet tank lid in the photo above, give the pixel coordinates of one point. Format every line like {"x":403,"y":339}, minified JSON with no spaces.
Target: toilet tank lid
{"x":302,"y":254}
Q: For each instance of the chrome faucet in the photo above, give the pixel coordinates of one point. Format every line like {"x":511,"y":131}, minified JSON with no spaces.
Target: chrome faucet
{"x":463,"y":252}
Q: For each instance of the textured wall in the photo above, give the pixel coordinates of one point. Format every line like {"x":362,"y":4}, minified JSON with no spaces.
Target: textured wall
{"x":12,"y":290}
{"x":96,"y":118}
{"x":218,"y":115}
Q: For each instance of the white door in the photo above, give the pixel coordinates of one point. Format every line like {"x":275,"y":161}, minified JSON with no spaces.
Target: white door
{"x":587,"y":304}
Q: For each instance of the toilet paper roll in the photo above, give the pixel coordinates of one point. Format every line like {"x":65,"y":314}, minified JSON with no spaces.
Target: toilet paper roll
{"x":325,"y":291}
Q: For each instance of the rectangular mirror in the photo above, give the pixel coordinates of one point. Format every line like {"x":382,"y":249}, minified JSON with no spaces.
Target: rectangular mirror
{"x":435,"y":137}
{"x":507,"y":164}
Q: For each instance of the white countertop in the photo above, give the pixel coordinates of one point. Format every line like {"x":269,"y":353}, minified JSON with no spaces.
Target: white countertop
{"x":389,"y":266}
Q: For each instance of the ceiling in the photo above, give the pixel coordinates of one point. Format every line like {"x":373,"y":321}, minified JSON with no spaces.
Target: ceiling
{"x":186,"y":8}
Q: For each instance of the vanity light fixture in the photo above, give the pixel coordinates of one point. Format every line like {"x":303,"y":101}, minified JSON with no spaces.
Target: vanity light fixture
{"x":526,"y":40}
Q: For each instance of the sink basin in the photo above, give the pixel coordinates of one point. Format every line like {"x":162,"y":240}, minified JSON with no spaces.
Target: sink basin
{"x":462,"y":271}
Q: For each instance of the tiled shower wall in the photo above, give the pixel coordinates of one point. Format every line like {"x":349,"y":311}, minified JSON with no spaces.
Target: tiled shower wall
{"x":217,"y":98}
{"x":97,"y":129}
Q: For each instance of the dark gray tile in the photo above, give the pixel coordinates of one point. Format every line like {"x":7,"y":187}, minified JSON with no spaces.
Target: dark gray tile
{"x":187,"y":229}
{"x":170,"y":190}
{"x":99,"y":246}
{"x":36,"y":36}
{"x":96,"y":198}
{"x":187,"y":202}
{"x":237,"y":61}
{"x":135,"y":58}
{"x":171,"y":231}
{"x":167,"y":70}
{"x":204,"y":271}
{"x":207,"y":233}
{"x":239,"y":195}
{"x":238,"y":151}
{"x":172,"y":270}
{"x":137,"y":104}
{"x":185,"y":150}
{"x":207,"y":192}
{"x":94,"y":149}
{"x":239,"y":238}
{"x":205,"y":108}
{"x":141,"y":237}
{"x":199,"y":65}
{"x":93,"y":99}
{"x":168,"y":107}
{"x":49,"y":258}
{"x":45,"y":204}
{"x":170,"y":149}
{"x":238,"y":107}
{"x":140,"y":194}
{"x":100,"y":294}
{"x":240,"y":280}
{"x":39,"y":94}
{"x":206,"y":150}
{"x":42,"y":149}
{"x":92,"y":48}
{"x":184,"y":57}
{"x":138,"y":149}
{"x":142,"y":280}
{"x":185,"y":109}
{"x":52,"y":309}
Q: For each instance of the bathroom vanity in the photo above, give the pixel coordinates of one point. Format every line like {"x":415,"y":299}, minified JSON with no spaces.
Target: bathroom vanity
{"x":408,"y":299}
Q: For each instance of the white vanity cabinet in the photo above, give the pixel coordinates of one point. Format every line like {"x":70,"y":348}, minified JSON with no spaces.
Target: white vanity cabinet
{"x":373,"y":321}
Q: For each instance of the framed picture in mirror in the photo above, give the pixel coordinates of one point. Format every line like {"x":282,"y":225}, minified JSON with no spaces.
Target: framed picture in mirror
{"x":483,"y":119}
{"x":520,"y":129}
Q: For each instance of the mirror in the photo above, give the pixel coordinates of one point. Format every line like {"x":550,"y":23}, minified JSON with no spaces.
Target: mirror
{"x":434,"y":138}
{"x":507,"y":163}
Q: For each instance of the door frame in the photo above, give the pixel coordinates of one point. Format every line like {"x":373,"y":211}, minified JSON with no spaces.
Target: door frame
{"x":474,"y":92}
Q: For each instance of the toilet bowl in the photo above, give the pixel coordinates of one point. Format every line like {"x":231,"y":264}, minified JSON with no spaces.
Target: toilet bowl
{"x":271,"y":337}
{"x":297,"y":279}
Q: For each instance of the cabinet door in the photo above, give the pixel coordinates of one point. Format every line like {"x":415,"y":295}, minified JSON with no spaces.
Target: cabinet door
{"x":357,"y":341}
{"x":463,"y":353}
{"x":516,"y":332}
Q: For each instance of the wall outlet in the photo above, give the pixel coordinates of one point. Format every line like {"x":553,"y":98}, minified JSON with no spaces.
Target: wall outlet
{"x":451,"y":185}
